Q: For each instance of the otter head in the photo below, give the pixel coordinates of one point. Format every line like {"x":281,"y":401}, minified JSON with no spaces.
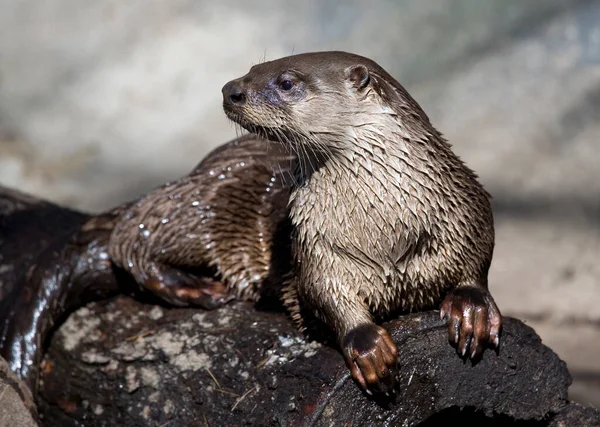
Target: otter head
{"x":313,"y":98}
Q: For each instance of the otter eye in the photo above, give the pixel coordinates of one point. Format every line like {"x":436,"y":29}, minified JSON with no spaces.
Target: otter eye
{"x":286,"y":85}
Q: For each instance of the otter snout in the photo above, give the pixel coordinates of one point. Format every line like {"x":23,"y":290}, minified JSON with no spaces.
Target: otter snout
{"x":233,"y":94}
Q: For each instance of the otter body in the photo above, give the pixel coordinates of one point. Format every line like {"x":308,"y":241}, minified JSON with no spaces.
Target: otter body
{"x":219,"y":233}
{"x":386,"y":216}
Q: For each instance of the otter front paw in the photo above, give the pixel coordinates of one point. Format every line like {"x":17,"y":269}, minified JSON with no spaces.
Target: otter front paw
{"x":371,"y":354}
{"x":473,"y":320}
{"x":180,"y":288}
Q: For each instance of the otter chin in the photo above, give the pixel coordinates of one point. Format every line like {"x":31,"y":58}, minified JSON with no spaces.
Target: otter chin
{"x":386,"y":218}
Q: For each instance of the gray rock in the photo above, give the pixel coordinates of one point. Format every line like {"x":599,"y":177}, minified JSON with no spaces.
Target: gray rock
{"x":17,"y":408}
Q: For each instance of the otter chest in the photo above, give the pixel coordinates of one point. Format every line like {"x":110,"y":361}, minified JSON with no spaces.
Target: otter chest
{"x":355,"y":212}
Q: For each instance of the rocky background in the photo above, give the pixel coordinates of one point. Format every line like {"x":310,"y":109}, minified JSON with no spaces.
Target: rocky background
{"x":101,"y":101}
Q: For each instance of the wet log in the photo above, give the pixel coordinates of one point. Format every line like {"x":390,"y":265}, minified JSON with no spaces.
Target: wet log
{"x":123,"y":362}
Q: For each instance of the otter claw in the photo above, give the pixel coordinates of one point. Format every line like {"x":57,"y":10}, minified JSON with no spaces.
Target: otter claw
{"x":473,"y":320}
{"x":371,"y":356}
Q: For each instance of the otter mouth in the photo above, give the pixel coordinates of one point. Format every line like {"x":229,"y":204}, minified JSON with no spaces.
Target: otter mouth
{"x":274,"y":133}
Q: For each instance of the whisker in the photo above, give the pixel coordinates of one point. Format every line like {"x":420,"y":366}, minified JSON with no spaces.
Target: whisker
{"x":284,"y":140}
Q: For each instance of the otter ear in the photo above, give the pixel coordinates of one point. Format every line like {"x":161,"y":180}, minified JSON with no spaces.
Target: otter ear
{"x":358,"y":75}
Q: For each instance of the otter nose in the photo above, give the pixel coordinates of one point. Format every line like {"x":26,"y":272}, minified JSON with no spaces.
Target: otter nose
{"x":233,"y":93}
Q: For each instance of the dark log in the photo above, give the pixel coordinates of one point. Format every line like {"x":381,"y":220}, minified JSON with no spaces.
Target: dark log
{"x":52,"y":261}
{"x":28,"y":226}
{"x":127,"y":363}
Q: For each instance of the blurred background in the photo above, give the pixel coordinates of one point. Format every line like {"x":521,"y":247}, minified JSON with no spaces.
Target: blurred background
{"x":102,"y":101}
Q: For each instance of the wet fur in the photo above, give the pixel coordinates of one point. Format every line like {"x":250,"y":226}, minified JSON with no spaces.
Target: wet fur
{"x":403,"y":219}
{"x":222,"y":221}
{"x":386,"y":217}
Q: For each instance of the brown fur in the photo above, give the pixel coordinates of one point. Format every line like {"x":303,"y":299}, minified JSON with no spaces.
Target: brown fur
{"x":220,"y":221}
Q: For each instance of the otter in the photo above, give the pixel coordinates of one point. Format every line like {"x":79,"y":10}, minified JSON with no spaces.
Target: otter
{"x":372,"y":215}
{"x":386,"y":217}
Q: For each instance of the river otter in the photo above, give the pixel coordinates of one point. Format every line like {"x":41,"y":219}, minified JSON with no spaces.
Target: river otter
{"x":386,"y":217}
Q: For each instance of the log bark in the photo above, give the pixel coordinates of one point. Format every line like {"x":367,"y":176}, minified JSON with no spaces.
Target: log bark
{"x":123,"y":362}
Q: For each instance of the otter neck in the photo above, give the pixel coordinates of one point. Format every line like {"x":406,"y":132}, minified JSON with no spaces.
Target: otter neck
{"x":382,"y":148}
{"x":308,"y":162}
